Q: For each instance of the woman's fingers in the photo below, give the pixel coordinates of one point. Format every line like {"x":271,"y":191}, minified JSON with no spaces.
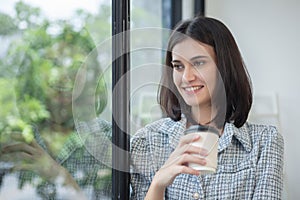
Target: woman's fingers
{"x":189,"y":138}
{"x":188,"y":149}
{"x":185,"y":146}
{"x":179,"y":165}
{"x":190,"y":158}
{"x":192,"y":149}
{"x":173,"y":167}
{"x":18,"y":147}
{"x":184,"y":159}
{"x":178,"y":161}
{"x":35,"y":145}
{"x":186,"y":170}
{"x":16,"y":157}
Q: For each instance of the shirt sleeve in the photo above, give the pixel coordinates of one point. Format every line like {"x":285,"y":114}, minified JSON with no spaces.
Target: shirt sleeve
{"x":139,"y":186}
{"x":270,"y":166}
{"x":140,"y":167}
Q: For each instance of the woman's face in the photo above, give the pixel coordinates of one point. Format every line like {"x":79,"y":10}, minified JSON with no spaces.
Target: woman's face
{"x":194,"y":72}
{"x":59,"y":82}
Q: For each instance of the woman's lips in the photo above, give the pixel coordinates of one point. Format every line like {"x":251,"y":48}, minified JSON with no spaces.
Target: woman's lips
{"x":193,"y":89}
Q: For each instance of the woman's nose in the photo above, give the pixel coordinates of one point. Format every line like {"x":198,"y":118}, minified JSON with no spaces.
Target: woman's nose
{"x":189,"y":73}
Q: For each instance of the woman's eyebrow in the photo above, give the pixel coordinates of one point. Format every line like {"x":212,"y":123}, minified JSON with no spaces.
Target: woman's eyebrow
{"x":175,"y":61}
{"x":197,"y":57}
{"x":191,"y":59}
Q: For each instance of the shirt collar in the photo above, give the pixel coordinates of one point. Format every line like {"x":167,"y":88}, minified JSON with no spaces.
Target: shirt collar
{"x":72,"y":143}
{"x":95,"y":130}
{"x":241,"y":134}
{"x":177,"y":131}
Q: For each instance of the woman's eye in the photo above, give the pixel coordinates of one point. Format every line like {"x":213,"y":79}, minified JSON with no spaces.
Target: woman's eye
{"x":199,"y":63}
{"x":178,"y":66}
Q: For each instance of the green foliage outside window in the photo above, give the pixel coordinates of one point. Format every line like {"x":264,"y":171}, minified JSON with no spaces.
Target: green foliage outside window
{"x":42,"y":62}
{"x":38,"y":72}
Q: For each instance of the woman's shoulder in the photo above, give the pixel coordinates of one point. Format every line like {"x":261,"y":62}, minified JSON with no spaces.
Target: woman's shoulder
{"x":157,"y":133}
{"x":150,"y":144}
{"x":265,"y":133}
{"x":264,"y":129}
{"x":162,"y":126}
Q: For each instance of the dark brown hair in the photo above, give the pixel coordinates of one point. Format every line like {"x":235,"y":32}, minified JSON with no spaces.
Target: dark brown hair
{"x":235,"y":79}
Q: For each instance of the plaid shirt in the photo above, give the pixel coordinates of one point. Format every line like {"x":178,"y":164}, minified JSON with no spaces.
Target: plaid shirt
{"x":83,"y":156}
{"x":250,"y":163}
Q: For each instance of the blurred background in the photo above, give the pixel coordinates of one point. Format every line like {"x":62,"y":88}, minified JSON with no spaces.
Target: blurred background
{"x":267,"y":34}
{"x":44,"y":43}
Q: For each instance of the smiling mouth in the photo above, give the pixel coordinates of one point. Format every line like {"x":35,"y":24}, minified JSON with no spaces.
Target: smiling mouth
{"x":62,"y":89}
{"x":193,"y":88}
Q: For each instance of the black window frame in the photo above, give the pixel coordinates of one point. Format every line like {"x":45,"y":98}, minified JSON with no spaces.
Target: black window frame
{"x":120,"y":99}
{"x":171,"y":13}
{"x":199,"y":7}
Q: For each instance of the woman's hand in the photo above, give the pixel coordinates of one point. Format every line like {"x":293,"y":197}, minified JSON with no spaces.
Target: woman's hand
{"x":177,"y":164}
{"x":32,"y":157}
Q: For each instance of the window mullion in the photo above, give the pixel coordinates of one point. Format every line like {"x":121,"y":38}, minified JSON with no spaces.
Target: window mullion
{"x":120,"y":99}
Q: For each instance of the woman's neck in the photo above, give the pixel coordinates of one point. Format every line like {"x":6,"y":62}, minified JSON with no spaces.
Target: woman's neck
{"x":203,"y":115}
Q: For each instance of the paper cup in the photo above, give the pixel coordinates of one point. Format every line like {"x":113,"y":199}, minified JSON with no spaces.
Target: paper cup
{"x":209,"y":140}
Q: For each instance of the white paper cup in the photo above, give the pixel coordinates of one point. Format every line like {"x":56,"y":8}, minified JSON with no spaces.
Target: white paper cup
{"x":209,"y":140}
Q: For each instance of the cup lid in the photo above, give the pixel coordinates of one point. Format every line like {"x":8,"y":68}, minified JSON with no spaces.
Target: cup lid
{"x":198,"y":127}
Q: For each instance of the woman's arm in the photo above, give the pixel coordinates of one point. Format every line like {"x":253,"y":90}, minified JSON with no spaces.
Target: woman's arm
{"x":175,"y":165}
{"x":270,"y":166}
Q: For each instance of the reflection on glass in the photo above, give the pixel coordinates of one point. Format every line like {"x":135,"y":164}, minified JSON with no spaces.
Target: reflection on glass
{"x":145,"y":62}
{"x":42,"y":156}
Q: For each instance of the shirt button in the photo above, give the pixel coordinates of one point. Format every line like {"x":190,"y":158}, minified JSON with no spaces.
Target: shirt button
{"x":196,"y":195}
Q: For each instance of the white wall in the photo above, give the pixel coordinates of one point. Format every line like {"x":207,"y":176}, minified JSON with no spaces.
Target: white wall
{"x":268,"y":34}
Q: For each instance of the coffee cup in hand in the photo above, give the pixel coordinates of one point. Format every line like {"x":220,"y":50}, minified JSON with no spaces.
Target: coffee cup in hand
{"x":209,"y":138}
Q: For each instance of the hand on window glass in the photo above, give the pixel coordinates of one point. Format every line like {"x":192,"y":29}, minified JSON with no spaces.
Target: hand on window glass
{"x":30,"y":156}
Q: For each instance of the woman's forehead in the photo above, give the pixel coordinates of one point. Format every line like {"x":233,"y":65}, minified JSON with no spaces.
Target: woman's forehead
{"x":190,"y":48}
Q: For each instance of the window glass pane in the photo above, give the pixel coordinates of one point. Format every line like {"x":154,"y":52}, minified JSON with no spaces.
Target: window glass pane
{"x":146,"y":59}
{"x":55,"y":125}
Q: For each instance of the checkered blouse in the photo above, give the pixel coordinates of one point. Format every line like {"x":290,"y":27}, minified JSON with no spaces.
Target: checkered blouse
{"x":250,"y":163}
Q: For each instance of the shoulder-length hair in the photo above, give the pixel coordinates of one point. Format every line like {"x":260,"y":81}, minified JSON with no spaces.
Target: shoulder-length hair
{"x":235,"y":78}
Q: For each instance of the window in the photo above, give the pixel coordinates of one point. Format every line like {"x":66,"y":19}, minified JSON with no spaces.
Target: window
{"x":47,"y":50}
{"x":59,"y":61}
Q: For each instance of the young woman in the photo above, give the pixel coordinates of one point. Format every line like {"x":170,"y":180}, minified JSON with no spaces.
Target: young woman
{"x":205,"y":82}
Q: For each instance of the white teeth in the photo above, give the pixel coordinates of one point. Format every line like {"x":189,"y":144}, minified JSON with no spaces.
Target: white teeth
{"x":189,"y":89}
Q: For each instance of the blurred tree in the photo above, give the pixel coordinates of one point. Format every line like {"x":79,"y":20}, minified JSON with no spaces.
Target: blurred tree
{"x":7,"y":25}
{"x":42,"y":62}
{"x":45,"y":60}
{"x":27,"y":16}
{"x":99,"y":25}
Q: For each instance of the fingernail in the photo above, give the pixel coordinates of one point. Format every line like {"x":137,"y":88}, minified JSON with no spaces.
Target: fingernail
{"x":196,"y":137}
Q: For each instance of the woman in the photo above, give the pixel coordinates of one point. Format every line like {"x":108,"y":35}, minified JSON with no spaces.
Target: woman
{"x":205,"y":82}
